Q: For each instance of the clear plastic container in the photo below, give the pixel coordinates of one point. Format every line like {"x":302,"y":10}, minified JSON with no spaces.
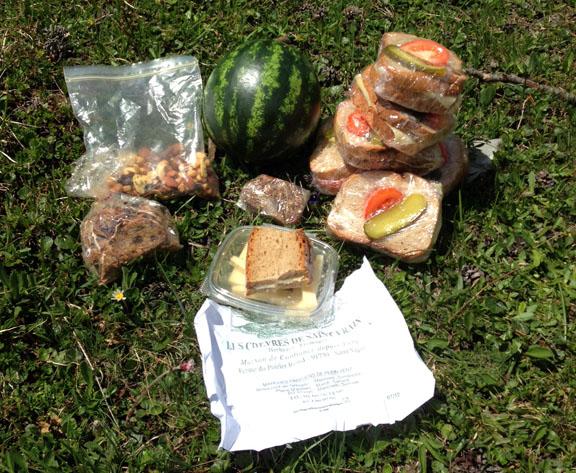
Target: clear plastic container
{"x":218,"y":287}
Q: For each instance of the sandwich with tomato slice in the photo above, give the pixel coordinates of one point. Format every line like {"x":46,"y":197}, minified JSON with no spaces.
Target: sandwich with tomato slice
{"x":445,"y":162}
{"x":395,"y":214}
{"x":362,"y":147}
{"x":419,"y":74}
{"x":397,"y":127}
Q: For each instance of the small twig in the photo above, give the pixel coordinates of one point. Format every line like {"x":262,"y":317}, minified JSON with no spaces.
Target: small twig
{"x":7,"y":157}
{"x":197,"y":245}
{"x":522,"y":112}
{"x":16,"y":327}
{"x":514,"y":79}
{"x":145,"y":444}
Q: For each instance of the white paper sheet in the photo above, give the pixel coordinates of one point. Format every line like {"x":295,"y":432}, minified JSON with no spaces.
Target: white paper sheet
{"x":272,"y":390}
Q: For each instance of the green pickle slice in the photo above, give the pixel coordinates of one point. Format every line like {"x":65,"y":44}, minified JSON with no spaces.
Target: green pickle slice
{"x":395,"y":218}
{"x":412,"y":61}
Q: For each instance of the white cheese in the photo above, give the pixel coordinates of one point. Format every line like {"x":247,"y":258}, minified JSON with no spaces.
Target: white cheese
{"x":300,"y":298}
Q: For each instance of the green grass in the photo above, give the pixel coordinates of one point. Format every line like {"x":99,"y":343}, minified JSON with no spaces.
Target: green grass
{"x":88,"y":384}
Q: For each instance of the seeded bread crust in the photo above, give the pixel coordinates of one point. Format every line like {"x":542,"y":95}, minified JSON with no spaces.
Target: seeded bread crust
{"x":277,"y":259}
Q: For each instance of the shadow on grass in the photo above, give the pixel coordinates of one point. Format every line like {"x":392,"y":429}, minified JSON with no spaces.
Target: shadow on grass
{"x":361,"y":443}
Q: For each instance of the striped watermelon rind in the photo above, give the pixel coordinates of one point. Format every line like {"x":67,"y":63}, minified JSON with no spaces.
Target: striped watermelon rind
{"x":262,"y":101}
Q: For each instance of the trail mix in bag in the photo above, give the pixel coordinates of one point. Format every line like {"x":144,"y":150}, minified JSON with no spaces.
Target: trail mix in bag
{"x":142,"y":130}
{"x":120,"y":229}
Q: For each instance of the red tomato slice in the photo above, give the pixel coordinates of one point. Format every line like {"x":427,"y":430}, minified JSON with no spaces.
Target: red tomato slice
{"x":444,"y":153}
{"x":427,"y":50}
{"x":357,"y":124}
{"x":381,"y":200}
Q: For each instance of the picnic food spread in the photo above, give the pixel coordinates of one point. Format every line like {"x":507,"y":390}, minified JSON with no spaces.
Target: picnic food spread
{"x":388,"y":156}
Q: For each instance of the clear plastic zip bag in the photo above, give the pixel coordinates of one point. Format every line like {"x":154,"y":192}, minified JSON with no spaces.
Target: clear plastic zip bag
{"x":142,"y":130}
{"x":121,"y":228}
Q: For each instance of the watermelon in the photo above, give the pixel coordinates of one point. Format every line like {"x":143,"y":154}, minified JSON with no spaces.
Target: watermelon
{"x":262,"y":101}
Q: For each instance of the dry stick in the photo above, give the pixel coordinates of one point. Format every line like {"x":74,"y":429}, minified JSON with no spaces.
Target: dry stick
{"x":514,"y":79}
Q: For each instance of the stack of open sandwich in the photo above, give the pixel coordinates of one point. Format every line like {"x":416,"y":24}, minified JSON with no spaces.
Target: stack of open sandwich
{"x":394,"y":127}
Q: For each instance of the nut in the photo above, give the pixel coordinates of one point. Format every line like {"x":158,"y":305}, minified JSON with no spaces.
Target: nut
{"x":115,"y":186}
{"x":139,"y":183}
{"x":129,"y":170}
{"x":170,"y":182}
{"x":202,"y":169}
{"x":161,"y":169}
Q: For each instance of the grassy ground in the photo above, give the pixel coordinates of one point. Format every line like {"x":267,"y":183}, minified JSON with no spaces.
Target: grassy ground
{"x":88,"y":384}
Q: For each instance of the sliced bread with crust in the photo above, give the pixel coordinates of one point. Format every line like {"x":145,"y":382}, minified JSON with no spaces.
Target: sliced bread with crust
{"x":414,"y":242}
{"x":327,"y":166}
{"x":277,"y":259}
{"x":417,"y":89}
{"x":404,"y":130}
{"x":367,"y":152}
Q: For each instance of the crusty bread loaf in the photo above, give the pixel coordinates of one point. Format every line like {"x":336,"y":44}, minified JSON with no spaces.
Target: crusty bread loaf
{"x":405,"y":130}
{"x":362,"y":153}
{"x":455,"y":168}
{"x":417,"y":90}
{"x":277,"y":259}
{"x":414,"y":242}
